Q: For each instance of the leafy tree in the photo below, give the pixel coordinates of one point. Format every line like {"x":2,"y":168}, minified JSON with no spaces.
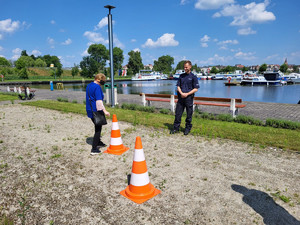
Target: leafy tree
{"x":75,"y":71}
{"x":228,"y":69}
{"x":196,"y":68}
{"x":180,"y":65}
{"x":33,"y":57}
{"x":164,"y":64}
{"x":283,"y":68}
{"x":56,"y":61}
{"x":262,"y":68}
{"x":135,"y":62}
{"x":24,"y":53}
{"x":118,"y":58}
{"x":47,"y":59}
{"x":89,"y":67}
{"x":40,"y":63}
{"x":24,"y":62}
{"x":23,"y":74}
{"x":244,"y":69}
{"x":99,"y":54}
{"x":214,"y":70}
{"x":4,"y":62}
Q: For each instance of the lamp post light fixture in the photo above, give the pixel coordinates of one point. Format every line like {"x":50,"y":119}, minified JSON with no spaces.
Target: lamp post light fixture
{"x":110,"y":37}
{"x":52,"y":66}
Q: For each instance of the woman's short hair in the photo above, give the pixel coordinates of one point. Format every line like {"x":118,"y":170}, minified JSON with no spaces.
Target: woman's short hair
{"x":100,"y":76}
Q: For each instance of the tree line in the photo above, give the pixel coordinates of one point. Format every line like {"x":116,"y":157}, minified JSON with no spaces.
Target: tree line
{"x":97,"y":61}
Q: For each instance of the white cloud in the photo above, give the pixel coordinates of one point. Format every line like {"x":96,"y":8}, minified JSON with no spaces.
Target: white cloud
{"x":246,"y":31}
{"x":52,"y":22}
{"x":205,"y":38}
{"x":216,"y":59}
{"x":9,"y":26}
{"x":245,"y":56}
{"x":95,"y":37}
{"x":117,"y":42}
{"x":136,"y":50}
{"x":67,"y":42}
{"x":164,"y":41}
{"x":245,"y":15}
{"x":50,"y":41}
{"x":85,"y":53}
{"x":1,"y":48}
{"x":183,"y":2}
{"x":133,"y":40}
{"x":102,"y":23}
{"x":211,"y":4}
{"x":17,"y":53}
{"x":204,"y":41}
{"x":36,"y":52}
{"x":1,"y":36}
{"x":233,"y":42}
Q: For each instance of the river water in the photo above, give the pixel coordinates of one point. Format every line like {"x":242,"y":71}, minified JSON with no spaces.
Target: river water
{"x":208,"y":88}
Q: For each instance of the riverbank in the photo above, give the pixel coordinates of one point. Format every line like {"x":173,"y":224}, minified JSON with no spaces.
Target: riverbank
{"x":45,"y":157}
{"x":259,"y":110}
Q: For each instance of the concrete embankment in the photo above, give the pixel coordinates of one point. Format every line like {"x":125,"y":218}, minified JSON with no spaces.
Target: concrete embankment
{"x":259,"y":110}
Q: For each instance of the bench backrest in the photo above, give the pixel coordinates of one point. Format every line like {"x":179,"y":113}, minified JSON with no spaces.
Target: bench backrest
{"x":237,"y":100}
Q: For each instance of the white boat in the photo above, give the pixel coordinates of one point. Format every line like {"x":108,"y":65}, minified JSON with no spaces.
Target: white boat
{"x":217,"y":76}
{"x":293,"y":77}
{"x":145,"y":75}
{"x":269,"y":78}
{"x":177,"y":74}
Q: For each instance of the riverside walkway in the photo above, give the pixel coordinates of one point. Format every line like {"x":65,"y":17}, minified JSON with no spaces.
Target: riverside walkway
{"x":259,"y":110}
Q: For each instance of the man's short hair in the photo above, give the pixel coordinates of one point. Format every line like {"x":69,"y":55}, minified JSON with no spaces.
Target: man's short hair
{"x":188,"y":62}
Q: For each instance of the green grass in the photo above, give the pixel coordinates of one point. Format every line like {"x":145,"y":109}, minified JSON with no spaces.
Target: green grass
{"x":258,"y":135}
{"x":8,"y":97}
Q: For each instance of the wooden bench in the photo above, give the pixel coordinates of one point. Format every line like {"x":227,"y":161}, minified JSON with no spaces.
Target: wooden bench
{"x":223,"y":102}
{"x":233,"y":103}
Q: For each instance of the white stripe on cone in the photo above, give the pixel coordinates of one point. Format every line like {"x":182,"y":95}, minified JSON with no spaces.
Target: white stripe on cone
{"x":139,"y":155}
{"x":139,"y":179}
{"x":115,"y":126}
{"x":116,"y":141}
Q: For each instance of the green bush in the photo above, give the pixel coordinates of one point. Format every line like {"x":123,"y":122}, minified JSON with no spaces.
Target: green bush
{"x":224,"y":117}
{"x":164,"y":111}
{"x":62,"y":99}
{"x":283,"y":124}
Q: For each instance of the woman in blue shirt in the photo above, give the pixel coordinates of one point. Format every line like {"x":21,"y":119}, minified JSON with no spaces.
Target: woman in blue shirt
{"x":94,"y":98}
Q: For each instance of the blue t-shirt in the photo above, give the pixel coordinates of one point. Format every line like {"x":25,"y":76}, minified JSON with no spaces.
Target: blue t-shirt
{"x":96,"y":93}
{"x":187,"y":82}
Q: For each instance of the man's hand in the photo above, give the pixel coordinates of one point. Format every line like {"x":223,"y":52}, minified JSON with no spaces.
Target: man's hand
{"x":184,"y":95}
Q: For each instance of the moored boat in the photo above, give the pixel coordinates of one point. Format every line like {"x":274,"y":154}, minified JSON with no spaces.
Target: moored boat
{"x":146,"y":75}
{"x":268,"y":78}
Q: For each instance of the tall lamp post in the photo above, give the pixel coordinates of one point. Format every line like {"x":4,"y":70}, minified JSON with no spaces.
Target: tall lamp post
{"x":110,"y":36}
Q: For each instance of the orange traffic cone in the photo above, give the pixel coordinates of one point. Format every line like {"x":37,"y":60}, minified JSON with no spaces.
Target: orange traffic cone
{"x":140,"y":189}
{"x":116,"y":146}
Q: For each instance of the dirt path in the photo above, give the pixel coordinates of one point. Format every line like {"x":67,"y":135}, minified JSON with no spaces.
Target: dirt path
{"x":45,"y":164}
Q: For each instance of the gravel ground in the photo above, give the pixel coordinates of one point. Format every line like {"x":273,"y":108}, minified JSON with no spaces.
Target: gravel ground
{"x":48,"y":176}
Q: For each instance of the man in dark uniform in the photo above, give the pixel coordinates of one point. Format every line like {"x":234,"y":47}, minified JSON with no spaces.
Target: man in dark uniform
{"x":187,"y":85}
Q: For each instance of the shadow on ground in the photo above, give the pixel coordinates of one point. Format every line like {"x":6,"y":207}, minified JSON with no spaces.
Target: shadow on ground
{"x":264,"y":205}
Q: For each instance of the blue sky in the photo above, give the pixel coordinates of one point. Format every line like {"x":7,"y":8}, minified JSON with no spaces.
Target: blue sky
{"x":208,"y":32}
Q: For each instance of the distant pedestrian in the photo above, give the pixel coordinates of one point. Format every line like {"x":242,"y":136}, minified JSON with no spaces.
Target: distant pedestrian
{"x":95,"y":94}
{"x":187,"y":85}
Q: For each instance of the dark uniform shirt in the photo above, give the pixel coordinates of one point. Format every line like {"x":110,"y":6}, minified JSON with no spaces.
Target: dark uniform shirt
{"x":187,"y":82}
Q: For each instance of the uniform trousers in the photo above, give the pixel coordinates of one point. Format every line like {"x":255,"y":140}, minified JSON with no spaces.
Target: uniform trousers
{"x":184,"y":103}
